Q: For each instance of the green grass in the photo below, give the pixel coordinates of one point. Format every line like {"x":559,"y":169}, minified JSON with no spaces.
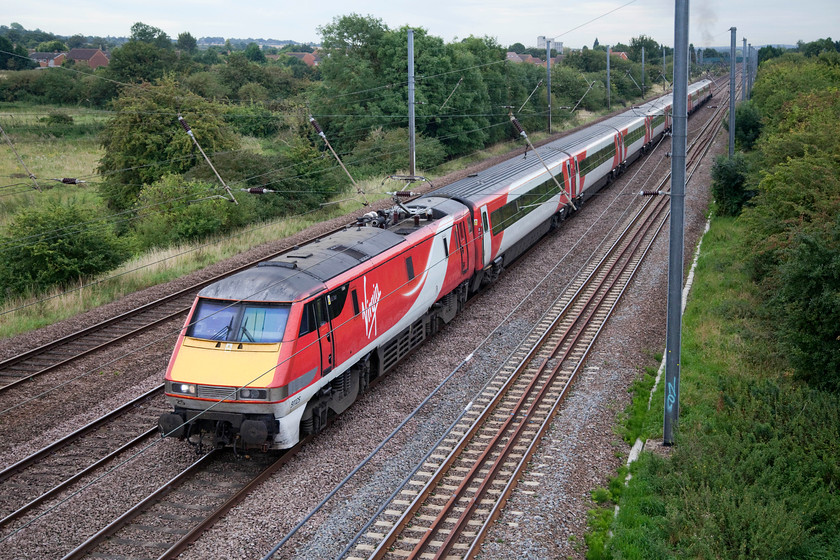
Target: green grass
{"x":48,"y":152}
{"x":754,"y":472}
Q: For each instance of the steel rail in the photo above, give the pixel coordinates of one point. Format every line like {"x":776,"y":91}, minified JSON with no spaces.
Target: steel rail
{"x":107,"y":531}
{"x":70,"y":438}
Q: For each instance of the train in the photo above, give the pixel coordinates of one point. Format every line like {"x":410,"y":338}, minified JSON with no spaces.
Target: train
{"x":270,"y":354}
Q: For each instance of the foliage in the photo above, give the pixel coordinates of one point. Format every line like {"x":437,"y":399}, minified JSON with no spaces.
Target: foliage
{"x":186,"y":42}
{"x":140,"y":61}
{"x":172,"y":211}
{"x":14,"y":57}
{"x":144,"y":33}
{"x":753,"y":472}
{"x":386,"y":152}
{"x":55,"y":244}
{"x":52,"y":46}
{"x":252,"y":120}
{"x":747,"y":125}
{"x":254,"y":53}
{"x":808,"y":303}
{"x":729,"y":178}
{"x":144,"y":141}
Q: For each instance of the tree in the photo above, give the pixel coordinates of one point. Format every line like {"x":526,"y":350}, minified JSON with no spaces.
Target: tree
{"x":56,"y":244}
{"x":254,"y":53}
{"x":729,"y":177}
{"x":52,"y":46}
{"x":747,"y":125}
{"x":186,"y":42}
{"x":152,"y":35}
{"x":652,"y":50}
{"x":144,"y":141}
{"x":77,"y":41}
{"x":808,"y":305}
{"x":596,"y":43}
{"x":517,"y":48}
{"x":138,"y":61}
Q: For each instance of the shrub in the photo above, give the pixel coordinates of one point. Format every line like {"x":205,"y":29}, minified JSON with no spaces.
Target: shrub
{"x":807,"y":306}
{"x":729,"y":177}
{"x":173,"y":210}
{"x":53,"y":245}
{"x":252,"y":120}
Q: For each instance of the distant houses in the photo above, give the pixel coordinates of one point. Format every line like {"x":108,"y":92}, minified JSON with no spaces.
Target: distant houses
{"x":94,"y":58}
{"x":528,"y":59}
{"x":48,"y":60}
{"x":310,"y":59}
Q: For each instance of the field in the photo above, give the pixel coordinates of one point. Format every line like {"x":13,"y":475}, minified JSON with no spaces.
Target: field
{"x":50,"y":150}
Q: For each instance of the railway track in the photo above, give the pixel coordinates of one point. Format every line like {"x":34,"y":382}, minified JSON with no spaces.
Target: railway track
{"x":34,"y":480}
{"x":164,"y":523}
{"x":447,"y":506}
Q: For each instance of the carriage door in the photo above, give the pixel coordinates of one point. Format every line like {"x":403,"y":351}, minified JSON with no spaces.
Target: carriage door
{"x":325,"y":335}
{"x":571,"y":185}
{"x":463,"y":248}
{"x":486,"y":248}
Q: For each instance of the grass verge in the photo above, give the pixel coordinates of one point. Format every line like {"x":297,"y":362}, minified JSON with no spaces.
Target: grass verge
{"x":755,"y":471}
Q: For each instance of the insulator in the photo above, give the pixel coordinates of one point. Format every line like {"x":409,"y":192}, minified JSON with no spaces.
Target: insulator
{"x":517,"y":126}
{"x":404,"y":194}
{"x":184,"y":123}
{"x":652,"y":193}
{"x":257,"y":190}
{"x":315,"y":124}
{"x":71,"y":181}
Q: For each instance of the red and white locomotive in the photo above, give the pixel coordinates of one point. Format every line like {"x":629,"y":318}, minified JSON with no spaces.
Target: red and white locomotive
{"x":267,"y":355}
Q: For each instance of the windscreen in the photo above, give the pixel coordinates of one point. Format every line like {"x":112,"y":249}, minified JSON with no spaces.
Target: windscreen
{"x":238,"y":321}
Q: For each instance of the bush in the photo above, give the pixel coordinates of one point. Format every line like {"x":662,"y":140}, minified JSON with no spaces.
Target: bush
{"x":729,"y":177}
{"x":55,"y":245}
{"x":807,"y":306}
{"x":252,"y":120}
{"x":174,"y":210}
{"x":747,"y":125}
{"x":386,"y":152}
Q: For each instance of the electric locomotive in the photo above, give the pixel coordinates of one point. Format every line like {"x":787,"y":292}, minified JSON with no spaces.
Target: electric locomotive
{"x":268,"y":355}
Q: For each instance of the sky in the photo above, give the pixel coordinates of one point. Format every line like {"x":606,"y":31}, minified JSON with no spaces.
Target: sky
{"x":508,"y":21}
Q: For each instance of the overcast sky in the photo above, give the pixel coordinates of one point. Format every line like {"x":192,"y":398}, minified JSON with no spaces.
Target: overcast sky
{"x":509,"y":21}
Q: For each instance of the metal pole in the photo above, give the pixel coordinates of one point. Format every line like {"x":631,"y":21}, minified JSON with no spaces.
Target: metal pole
{"x":608,"y":77}
{"x":675,"y":255}
{"x":412,"y":159}
{"x":548,"y":78}
{"x":749,"y":73}
{"x":744,"y":70}
{"x":732,"y":93}
{"x":643,"y":72}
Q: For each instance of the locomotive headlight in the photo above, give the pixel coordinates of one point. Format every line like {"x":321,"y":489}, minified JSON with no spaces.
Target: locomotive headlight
{"x":182,"y":388}
{"x":253,"y":394}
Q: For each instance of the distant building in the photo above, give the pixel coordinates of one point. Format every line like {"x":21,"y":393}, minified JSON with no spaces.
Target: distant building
{"x":310,"y":59}
{"x":94,"y":58}
{"x":620,"y":54}
{"x":48,"y":60}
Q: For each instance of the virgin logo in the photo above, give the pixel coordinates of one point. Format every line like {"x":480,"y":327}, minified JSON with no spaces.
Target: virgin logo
{"x":369,"y":310}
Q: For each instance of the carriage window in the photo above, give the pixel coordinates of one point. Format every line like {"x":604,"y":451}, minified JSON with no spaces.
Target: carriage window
{"x":307,"y":320}
{"x":409,"y":266}
{"x":355,"y":302}
{"x":336,"y":300}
